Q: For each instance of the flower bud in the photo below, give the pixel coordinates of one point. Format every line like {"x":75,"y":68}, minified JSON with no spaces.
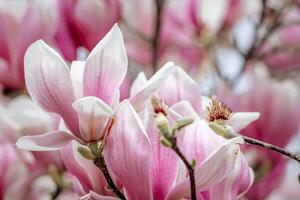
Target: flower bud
{"x":181,"y":123}
{"x":85,"y":153}
{"x":221,"y":130}
{"x":162,"y":124}
{"x":165,"y":142}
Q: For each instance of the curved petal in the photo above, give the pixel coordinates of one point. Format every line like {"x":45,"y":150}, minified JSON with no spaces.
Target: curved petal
{"x":212,"y":170}
{"x":236,"y":184}
{"x":95,"y":196}
{"x":76,"y":71}
{"x":128,"y":153}
{"x":165,"y":163}
{"x":180,"y":86}
{"x":139,"y":100}
{"x":88,"y":175}
{"x":94,"y":117}
{"x":49,"y":83}
{"x":138,"y":84}
{"x":241,"y":120}
{"x":106,"y":67}
{"x":50,"y":141}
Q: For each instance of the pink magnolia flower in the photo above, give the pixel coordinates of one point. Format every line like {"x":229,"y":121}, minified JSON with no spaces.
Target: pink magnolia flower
{"x":84,"y":97}
{"x":276,"y":101}
{"x":17,"y":17}
{"x":84,"y":23}
{"x":176,"y":87}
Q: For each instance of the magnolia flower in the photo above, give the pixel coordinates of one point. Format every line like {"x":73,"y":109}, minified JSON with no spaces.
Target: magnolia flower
{"x":176,"y":87}
{"x":86,"y":97}
{"x":17,"y":17}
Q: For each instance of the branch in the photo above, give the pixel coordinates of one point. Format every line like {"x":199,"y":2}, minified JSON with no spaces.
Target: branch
{"x":100,"y":163}
{"x":190,"y":169}
{"x":272,"y":147}
{"x":159,"y":4}
{"x":96,"y":154}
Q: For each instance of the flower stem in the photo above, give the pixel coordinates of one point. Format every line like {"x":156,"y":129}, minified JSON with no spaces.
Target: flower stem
{"x":100,"y":163}
{"x":271,"y":147}
{"x":190,"y":169}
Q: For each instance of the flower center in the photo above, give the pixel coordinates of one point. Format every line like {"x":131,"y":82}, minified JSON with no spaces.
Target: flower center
{"x":218,"y":110}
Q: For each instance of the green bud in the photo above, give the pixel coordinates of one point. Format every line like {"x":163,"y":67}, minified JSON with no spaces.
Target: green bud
{"x":181,"y":123}
{"x":221,"y":130}
{"x":162,"y":124}
{"x":193,"y":163}
{"x":165,"y":142}
{"x":95,"y":149}
{"x":85,"y":153}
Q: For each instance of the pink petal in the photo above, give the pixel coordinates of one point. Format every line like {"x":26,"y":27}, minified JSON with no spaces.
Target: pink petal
{"x":49,"y":83}
{"x":76,"y":71}
{"x":138,"y":84}
{"x":106,"y":67}
{"x":165,"y":164}
{"x":94,"y":117}
{"x":241,"y":120}
{"x":88,"y":175}
{"x":180,"y":86}
{"x":50,"y":141}
{"x":139,"y":100}
{"x":96,"y":196}
{"x":211,"y":171}
{"x":128,"y":153}
{"x":236,"y":184}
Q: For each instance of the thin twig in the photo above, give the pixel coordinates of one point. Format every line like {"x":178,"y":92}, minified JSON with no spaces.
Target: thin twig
{"x":100,"y":163}
{"x":190,"y":169}
{"x":159,"y":4}
{"x":271,"y":147}
{"x":247,"y":56}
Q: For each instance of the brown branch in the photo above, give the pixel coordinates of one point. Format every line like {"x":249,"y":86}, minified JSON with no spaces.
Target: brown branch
{"x":272,"y":147}
{"x":189,"y":167}
{"x":100,"y":163}
{"x":159,"y":4}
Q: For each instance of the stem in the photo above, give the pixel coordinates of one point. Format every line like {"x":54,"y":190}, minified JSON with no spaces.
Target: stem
{"x":190,"y":170}
{"x":56,"y":193}
{"x":271,"y":147}
{"x":100,"y":163}
{"x":155,"y":40}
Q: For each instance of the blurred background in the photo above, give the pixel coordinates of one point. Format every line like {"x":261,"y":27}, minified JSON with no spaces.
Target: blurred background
{"x":246,"y":52}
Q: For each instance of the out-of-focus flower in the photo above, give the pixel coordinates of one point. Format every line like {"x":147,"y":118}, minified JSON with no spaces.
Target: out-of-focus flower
{"x":186,"y":33}
{"x":85,"y":23}
{"x":22,"y":22}
{"x":21,"y":117}
{"x":14,"y":173}
{"x":276,"y":101}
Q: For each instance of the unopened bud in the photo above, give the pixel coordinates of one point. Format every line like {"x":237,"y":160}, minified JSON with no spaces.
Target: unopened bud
{"x":193,"y":163}
{"x":221,"y":130}
{"x":85,"y":153}
{"x":181,"y":123}
{"x":165,"y":142}
{"x":162,"y":124}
